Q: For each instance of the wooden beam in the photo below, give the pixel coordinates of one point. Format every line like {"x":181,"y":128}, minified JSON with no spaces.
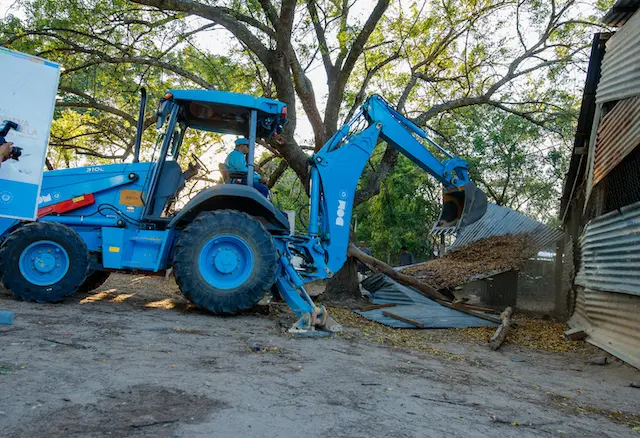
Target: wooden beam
{"x":374,"y":307}
{"x":471,"y":312}
{"x":472,"y":307}
{"x":403,"y":319}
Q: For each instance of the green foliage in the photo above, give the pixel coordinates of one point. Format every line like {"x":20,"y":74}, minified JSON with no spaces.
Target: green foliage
{"x":496,"y":79}
{"x":517,"y":163}
{"x":402,"y":215}
{"x":109,"y":49}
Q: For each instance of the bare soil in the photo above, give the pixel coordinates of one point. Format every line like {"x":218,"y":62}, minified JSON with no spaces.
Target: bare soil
{"x":135,"y":359}
{"x":483,"y":257}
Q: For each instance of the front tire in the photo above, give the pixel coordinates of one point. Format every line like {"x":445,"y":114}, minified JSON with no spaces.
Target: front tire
{"x":43,"y":262}
{"x":225,"y":261}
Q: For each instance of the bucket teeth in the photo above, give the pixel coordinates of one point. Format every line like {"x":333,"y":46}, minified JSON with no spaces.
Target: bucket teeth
{"x":460,"y":208}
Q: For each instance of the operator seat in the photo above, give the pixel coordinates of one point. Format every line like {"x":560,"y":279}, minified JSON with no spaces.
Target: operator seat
{"x":230,"y":177}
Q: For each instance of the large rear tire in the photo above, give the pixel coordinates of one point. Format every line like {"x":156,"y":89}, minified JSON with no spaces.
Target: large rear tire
{"x":43,"y":262}
{"x":225,"y":261}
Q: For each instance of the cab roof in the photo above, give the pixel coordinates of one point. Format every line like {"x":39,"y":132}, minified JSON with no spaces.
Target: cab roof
{"x":268,"y":106}
{"x":228,"y":113}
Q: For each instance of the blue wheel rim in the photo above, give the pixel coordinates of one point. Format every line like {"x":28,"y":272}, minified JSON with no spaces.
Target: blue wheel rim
{"x":44,"y":263}
{"x":226,"y":261}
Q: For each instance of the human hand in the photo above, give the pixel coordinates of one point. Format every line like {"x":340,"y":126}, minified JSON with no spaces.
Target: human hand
{"x":5,"y":151}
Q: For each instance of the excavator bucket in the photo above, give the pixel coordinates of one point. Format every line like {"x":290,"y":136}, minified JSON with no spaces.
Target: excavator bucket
{"x":460,"y":208}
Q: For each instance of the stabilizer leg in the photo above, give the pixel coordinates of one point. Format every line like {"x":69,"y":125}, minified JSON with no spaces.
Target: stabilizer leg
{"x":291,"y":288}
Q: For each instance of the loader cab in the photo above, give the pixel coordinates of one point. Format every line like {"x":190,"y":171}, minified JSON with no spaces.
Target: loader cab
{"x":204,"y":110}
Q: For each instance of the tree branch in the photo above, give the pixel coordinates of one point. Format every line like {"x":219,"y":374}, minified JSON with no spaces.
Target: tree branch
{"x":93,"y":103}
{"x":337,"y":85}
{"x":322,"y":41}
{"x":229,"y":19}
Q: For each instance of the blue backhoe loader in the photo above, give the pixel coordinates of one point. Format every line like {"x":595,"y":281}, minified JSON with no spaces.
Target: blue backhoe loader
{"x":229,"y":245}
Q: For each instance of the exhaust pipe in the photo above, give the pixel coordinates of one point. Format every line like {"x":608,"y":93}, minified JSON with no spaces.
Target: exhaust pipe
{"x":140,"y":125}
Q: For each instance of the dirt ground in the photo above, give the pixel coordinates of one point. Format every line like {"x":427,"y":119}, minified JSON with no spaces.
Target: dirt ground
{"x":133,"y":359}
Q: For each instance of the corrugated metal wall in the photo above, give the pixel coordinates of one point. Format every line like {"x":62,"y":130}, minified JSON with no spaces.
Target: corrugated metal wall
{"x":618,"y":135}
{"x":608,"y":301}
{"x":610,"y":250}
{"x":500,"y":221}
{"x":611,"y":321}
{"x":621,"y":65}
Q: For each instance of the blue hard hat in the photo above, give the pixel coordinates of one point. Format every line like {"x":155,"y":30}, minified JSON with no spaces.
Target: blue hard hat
{"x":242,"y":141}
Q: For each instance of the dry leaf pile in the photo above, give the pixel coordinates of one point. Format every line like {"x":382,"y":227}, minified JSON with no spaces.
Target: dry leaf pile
{"x":486,"y":256}
{"x":534,"y":333}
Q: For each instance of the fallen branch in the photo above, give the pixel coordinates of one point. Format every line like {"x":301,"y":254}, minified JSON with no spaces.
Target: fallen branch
{"x":378,"y":265}
{"x":67,"y":344}
{"x":501,"y":334}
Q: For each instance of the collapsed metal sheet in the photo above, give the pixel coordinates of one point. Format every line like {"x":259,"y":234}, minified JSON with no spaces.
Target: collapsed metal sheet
{"x":412,"y":305}
{"x":501,"y":221}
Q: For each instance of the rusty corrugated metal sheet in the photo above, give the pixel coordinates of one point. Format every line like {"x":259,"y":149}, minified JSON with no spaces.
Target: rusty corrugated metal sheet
{"x":612,"y":322}
{"x":610,"y":249}
{"x":621,"y":64}
{"x":500,"y":221}
{"x":618,"y":135}
{"x":580,"y":311}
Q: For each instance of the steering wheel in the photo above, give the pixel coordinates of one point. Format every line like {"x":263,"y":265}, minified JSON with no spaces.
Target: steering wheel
{"x":199,"y":162}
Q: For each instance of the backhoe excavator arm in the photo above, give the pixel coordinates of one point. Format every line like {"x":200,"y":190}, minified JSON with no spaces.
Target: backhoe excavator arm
{"x":337,"y":167}
{"x":335,"y":171}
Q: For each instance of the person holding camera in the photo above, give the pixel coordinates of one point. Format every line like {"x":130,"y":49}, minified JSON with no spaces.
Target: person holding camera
{"x":5,"y":150}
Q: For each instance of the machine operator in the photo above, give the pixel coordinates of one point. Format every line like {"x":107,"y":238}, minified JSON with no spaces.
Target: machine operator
{"x":237,"y":162}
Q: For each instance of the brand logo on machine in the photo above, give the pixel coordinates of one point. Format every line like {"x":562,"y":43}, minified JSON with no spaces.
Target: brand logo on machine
{"x":44,"y":198}
{"x":341,"y":207}
{"x":94,"y":169}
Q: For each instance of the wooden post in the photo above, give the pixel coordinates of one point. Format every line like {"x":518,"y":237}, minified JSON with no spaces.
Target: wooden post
{"x":560,"y":301}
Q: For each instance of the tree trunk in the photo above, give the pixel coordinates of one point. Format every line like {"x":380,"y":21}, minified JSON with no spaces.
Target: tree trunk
{"x":344,"y":286}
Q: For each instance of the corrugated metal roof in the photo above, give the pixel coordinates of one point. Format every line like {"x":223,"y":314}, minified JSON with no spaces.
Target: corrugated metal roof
{"x":620,"y":12}
{"x":413,"y":305}
{"x":611,"y":321}
{"x":618,"y":135}
{"x":610,"y":249}
{"x":500,"y":221}
{"x":620,"y":76}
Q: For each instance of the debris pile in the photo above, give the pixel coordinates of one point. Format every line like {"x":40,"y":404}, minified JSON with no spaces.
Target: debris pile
{"x":476,"y":260}
{"x":535,"y":333}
